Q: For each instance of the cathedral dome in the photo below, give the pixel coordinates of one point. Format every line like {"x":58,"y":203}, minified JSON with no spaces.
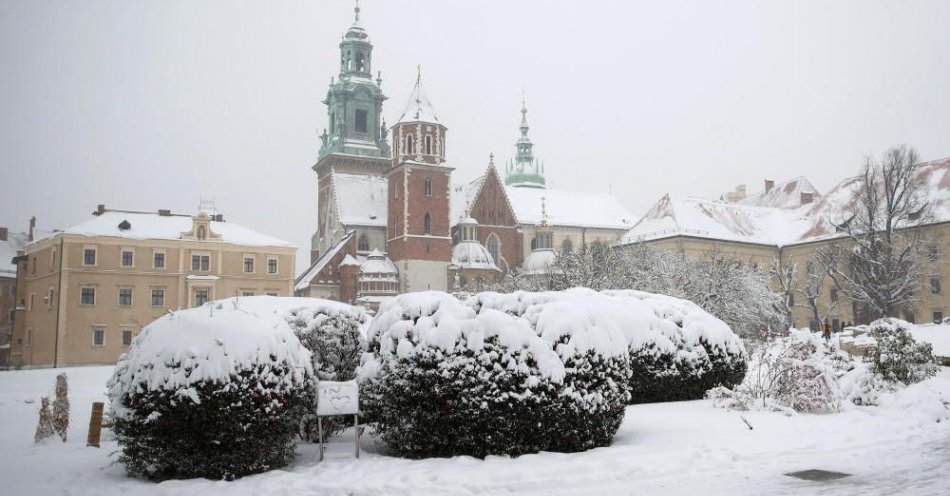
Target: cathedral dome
{"x":472,"y":255}
{"x":539,"y":262}
{"x":378,"y":265}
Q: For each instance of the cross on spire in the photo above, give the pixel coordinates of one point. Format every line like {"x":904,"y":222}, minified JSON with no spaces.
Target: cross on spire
{"x":357,"y":11}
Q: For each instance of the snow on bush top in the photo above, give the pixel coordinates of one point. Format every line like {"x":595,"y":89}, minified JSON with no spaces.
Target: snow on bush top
{"x":213,"y":342}
{"x":640,"y":318}
{"x":413,"y":322}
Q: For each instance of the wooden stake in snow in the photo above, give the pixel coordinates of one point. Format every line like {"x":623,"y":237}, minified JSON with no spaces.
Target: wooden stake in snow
{"x":95,"y":425}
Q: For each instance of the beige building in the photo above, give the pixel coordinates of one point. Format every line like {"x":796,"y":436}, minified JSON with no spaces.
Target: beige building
{"x":787,"y":223}
{"x":85,"y":292}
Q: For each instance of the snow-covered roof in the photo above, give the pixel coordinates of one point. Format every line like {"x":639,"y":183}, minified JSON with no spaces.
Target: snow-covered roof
{"x":145,"y":225}
{"x":8,"y":250}
{"x":361,"y":200}
{"x":719,"y":220}
{"x":778,"y":223}
{"x":569,"y":208}
{"x":463,"y":195}
{"x":785,"y":195}
{"x":305,"y":279}
{"x":472,"y":255}
{"x":539,"y":262}
{"x":377,"y":263}
{"x":418,"y":108}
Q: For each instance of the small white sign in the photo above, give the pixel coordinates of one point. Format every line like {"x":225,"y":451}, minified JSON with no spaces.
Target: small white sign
{"x":338,"y":398}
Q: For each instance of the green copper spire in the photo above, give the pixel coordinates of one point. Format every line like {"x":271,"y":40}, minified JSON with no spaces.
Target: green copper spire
{"x":355,"y":101}
{"x":525,"y":171}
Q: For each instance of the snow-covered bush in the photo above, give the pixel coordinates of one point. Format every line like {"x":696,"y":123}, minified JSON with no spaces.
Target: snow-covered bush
{"x":897,"y":357}
{"x":216,"y":391}
{"x":798,"y":373}
{"x":44,"y":427}
{"x":333,"y":332}
{"x":501,"y":374}
{"x":677,"y":350}
{"x":61,"y":407}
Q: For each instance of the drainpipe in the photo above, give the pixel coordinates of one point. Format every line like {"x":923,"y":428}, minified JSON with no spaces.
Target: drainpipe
{"x":59,"y":303}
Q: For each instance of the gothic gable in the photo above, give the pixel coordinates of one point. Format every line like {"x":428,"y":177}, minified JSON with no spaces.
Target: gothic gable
{"x":491,"y":206}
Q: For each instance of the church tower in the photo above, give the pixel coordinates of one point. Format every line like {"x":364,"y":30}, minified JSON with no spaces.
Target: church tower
{"x":525,"y":170}
{"x":419,"y":241}
{"x":355,"y":140}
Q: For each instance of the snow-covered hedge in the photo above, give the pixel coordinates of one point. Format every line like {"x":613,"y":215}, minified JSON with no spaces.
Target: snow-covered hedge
{"x":678,"y":351}
{"x":216,"y":391}
{"x":897,"y":357}
{"x":333,"y":332}
{"x":446,"y":378}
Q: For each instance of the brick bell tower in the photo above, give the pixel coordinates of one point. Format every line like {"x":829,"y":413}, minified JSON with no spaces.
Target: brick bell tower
{"x":418,"y":238}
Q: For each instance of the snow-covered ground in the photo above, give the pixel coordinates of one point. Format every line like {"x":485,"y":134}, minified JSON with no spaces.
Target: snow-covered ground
{"x":671,"y":448}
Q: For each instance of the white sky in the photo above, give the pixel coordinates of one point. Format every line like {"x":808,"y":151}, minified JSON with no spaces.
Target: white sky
{"x":148,"y":105}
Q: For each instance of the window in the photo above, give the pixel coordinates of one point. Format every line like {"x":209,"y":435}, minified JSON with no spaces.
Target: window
{"x":938,"y":317}
{"x":271,"y":294}
{"x":834,"y":295}
{"x":534,"y":243}
{"x":29,"y":337}
{"x":49,"y":298}
{"x":158,"y":260}
{"x":89,"y":256}
{"x":272,"y":265}
{"x":98,"y":336}
{"x":810,"y":268}
{"x":247,"y":293}
{"x":934,"y":285}
{"x":360,"y":63}
{"x":427,"y":224}
{"x":125,"y":297}
{"x":933,"y":253}
{"x":361,"y":245}
{"x":409,"y":148}
{"x":158,"y":297}
{"x":33,"y":265}
{"x":87,"y":296}
{"x":201,"y":297}
{"x":493,"y":247}
{"x":428,"y":145}
{"x":126,"y":337}
{"x":428,"y":186}
{"x":200,"y":262}
{"x":248,"y":265}
{"x":31,"y":302}
{"x":567,"y":246}
{"x":361,"y":121}
{"x":126,"y":258}
{"x":52,"y":257}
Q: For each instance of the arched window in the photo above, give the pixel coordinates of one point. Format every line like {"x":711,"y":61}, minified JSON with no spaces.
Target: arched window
{"x":359,"y":62}
{"x":362,"y":244}
{"x":428,"y":145}
{"x":534,"y":243}
{"x":202,"y":233}
{"x":409,"y":148}
{"x":427,"y":224}
{"x":494,"y":246}
{"x":567,"y":246}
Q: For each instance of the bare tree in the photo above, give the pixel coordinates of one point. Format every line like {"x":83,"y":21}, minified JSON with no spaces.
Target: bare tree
{"x":814,"y":280}
{"x":786,"y":275}
{"x":879,"y":262}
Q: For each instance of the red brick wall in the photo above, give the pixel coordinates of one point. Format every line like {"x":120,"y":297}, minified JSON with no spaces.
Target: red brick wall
{"x":436,"y":205}
{"x":348,"y":282}
{"x":490,"y":208}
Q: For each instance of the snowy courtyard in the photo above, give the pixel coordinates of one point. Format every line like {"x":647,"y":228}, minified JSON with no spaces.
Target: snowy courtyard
{"x":689,"y":447}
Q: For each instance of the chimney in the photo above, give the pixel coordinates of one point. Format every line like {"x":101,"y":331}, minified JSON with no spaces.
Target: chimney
{"x":807,"y":198}
{"x":769,"y":184}
{"x":100,"y":209}
{"x":3,"y":233}
{"x":164,"y":213}
{"x":219,"y":217}
{"x":32,"y":234}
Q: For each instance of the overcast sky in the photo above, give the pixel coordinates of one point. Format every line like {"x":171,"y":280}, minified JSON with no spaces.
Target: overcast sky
{"x":148,"y":105}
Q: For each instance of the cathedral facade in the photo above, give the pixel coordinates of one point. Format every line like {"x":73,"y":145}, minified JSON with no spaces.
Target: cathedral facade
{"x":391,"y":220}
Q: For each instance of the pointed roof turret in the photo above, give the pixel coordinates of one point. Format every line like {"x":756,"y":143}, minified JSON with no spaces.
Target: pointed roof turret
{"x":525,"y":170}
{"x":418,"y":108}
